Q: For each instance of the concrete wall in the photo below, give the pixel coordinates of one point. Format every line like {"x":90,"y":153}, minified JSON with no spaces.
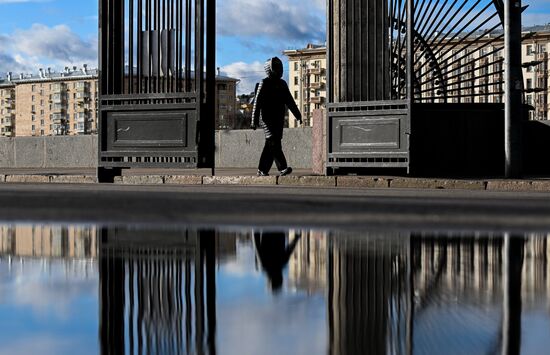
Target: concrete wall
{"x":49,"y":152}
{"x":242,"y":148}
{"x":235,"y":149}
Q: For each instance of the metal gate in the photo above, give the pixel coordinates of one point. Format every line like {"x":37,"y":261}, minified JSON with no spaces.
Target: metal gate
{"x":391,"y":58}
{"x":157,"y":77}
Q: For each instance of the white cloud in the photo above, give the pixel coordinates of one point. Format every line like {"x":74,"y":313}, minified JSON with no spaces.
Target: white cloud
{"x":283,"y":19}
{"x":248,"y":73}
{"x":25,"y":50}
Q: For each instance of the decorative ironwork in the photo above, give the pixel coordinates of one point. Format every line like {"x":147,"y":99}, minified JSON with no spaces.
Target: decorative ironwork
{"x":154,"y":89}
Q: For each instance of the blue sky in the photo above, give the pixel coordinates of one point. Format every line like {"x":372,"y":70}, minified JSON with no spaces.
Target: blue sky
{"x":57,"y":33}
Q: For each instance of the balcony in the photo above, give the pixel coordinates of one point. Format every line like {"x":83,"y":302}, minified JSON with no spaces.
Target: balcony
{"x":81,"y":117}
{"x":59,"y":109}
{"x":317,"y":86}
{"x":316,"y":71}
{"x":542,"y":56}
{"x":80,"y":128}
{"x":82,"y":98}
{"x":59,"y":88}
{"x":317,"y":100}
{"x":58,"y":118}
{"x":82,"y":87}
{"x":8,"y":121}
{"x":59,"y":98}
{"x":542,"y":73}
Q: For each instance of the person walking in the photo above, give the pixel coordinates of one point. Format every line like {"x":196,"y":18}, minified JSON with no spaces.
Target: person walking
{"x":270,"y":103}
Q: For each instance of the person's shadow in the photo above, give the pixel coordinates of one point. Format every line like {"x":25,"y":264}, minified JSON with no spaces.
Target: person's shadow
{"x":274,"y":254}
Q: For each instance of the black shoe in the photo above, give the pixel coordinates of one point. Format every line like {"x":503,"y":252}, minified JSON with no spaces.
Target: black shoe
{"x":285,"y":172}
{"x":261,"y":173}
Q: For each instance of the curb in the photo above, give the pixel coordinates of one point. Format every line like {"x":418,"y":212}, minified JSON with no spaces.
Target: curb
{"x":349,"y":182}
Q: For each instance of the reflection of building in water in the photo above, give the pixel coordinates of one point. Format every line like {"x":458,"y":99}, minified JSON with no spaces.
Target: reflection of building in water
{"x":471,"y":266}
{"x":157,"y":292}
{"x":44,"y":241}
{"x":307,"y":265}
{"x":367,"y":299}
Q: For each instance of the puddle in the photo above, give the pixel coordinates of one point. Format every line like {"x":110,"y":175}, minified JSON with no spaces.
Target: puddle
{"x":93,"y":290}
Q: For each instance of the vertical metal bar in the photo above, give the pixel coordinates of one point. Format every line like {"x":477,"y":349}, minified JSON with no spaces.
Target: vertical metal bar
{"x":514,"y":86}
{"x":410,"y":54}
{"x":131,"y":45}
{"x":210,"y":82}
{"x":139,"y":45}
{"x":188,"y":46}
{"x":158,"y":50}
{"x":343,"y":51}
{"x":511,"y":287}
{"x":331,"y":67}
{"x":147,"y":51}
{"x":177,"y":29}
{"x":364,"y":59}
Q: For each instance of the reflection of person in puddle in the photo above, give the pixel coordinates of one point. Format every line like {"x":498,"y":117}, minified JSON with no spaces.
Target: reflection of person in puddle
{"x":274,"y":254}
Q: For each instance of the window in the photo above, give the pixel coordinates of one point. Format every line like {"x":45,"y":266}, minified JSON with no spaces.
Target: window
{"x":295,"y":80}
{"x":33,"y":88}
{"x":41,"y":132}
{"x":32,"y":98}
{"x":529,"y":49}
{"x":32,"y":127}
{"x":296,"y":66}
{"x":32,"y":108}
{"x":296,"y":95}
{"x":41,"y":122}
{"x":33,"y":118}
{"x":530,"y":69}
{"x":529,"y":83}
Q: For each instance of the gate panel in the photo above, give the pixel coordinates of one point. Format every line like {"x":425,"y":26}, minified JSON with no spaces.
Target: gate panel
{"x":387,"y":58}
{"x":154,"y":96}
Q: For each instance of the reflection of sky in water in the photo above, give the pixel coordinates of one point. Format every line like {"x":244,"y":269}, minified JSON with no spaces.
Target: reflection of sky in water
{"x":48,"y":307}
{"x":253,"y":321}
{"x":51,"y":306}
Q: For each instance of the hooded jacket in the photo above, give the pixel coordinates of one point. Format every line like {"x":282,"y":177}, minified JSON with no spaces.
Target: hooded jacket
{"x":272,"y":99}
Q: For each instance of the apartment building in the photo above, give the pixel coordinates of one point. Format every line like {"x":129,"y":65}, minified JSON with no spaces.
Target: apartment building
{"x":66,"y":103}
{"x":50,"y":103}
{"x":7,"y":110}
{"x":226,"y":99}
{"x":475,"y":75}
{"x":307,"y":80}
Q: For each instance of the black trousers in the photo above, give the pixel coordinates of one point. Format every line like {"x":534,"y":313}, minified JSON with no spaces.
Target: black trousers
{"x":273,"y":151}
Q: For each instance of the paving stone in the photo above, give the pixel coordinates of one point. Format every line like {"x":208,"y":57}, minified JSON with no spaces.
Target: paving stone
{"x":361,"y":182}
{"x":519,"y":185}
{"x":183,"y":180}
{"x":240,"y":180}
{"x":143,"y":180}
{"x":28,"y":178}
{"x":74,"y":179}
{"x":312,"y":181}
{"x":444,"y":184}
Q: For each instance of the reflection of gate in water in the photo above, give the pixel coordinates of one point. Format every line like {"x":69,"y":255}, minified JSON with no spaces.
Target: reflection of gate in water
{"x":157,"y":292}
{"x":156,"y":98}
{"x":368,"y":297}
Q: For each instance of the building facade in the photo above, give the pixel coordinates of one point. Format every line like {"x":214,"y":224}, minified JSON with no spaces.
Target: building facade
{"x":475,"y":76}
{"x":51,"y":104}
{"x":307,"y":80}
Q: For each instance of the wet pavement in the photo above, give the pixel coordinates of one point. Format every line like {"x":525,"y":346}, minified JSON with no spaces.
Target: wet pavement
{"x":94,"y":289}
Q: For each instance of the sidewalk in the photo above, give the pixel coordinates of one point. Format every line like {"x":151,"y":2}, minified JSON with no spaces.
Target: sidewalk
{"x":300,"y":178}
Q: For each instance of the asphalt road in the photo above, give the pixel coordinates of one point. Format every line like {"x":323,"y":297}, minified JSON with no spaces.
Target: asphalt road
{"x":275,"y":206}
